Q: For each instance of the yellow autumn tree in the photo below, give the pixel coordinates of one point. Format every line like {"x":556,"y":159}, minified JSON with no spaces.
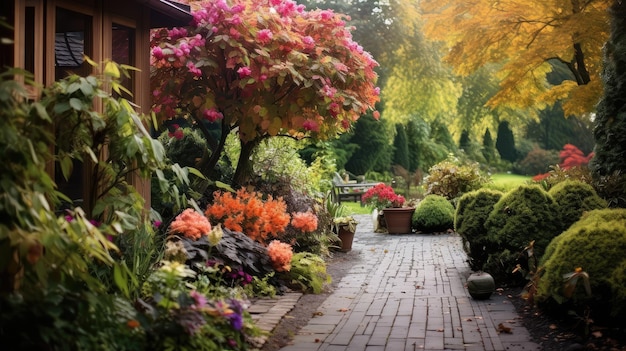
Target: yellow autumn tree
{"x":417,"y":80}
{"x":526,"y":39}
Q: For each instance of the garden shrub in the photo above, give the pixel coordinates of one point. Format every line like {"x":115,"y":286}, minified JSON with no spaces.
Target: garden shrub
{"x":596,"y":245}
{"x":525,"y":214}
{"x":451,"y":178}
{"x":472,"y":211}
{"x":308,"y":271}
{"x":573,"y":199}
{"x":537,"y":161}
{"x":433,"y":214}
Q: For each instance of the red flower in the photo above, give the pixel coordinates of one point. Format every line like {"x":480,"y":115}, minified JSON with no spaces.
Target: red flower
{"x":381,"y":196}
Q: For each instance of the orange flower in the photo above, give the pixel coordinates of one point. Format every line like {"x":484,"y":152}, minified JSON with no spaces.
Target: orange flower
{"x":191,"y":224}
{"x":250,"y":213}
{"x":280,"y":254}
{"x":304,"y":221}
{"x":132,"y":324}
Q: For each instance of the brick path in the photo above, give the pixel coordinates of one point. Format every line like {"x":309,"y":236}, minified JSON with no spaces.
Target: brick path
{"x":407,"y":293}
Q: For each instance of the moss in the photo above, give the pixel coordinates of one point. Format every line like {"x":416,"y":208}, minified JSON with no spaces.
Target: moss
{"x":433,"y":214}
{"x":596,"y":244}
{"x":472,"y":211}
{"x":573,"y":199}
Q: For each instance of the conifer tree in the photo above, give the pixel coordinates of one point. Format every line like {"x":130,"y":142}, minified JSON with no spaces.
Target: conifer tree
{"x":505,"y":142}
{"x":610,"y":121}
{"x":489,"y":148}
{"x":401,"y":148}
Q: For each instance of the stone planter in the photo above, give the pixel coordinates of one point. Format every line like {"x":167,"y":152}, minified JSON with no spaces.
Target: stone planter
{"x":481,"y":285}
{"x":398,"y":219}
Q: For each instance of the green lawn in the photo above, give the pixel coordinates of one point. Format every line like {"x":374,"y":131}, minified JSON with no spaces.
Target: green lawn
{"x":506,"y":181}
{"x":353,"y":208}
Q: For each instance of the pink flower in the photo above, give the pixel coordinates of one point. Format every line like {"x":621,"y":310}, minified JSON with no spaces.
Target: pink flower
{"x":264,"y":36}
{"x":376,"y":115}
{"x":308,"y":42}
{"x":157,"y":52}
{"x":244,"y":72}
{"x":193,"y":69}
{"x":212,"y":115}
{"x":311,"y":125}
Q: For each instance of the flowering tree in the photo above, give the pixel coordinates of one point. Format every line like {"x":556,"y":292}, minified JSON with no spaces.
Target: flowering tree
{"x":262,"y":68}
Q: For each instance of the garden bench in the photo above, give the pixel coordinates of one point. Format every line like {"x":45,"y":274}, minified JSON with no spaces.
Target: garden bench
{"x":351,"y":190}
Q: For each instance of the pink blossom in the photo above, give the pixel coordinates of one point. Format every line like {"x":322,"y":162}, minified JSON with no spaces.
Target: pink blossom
{"x":377,"y":91}
{"x":308,"y":41}
{"x":237,"y":8}
{"x":157,"y":52}
{"x":264,"y":36}
{"x":234,"y":33}
{"x":244,"y":72}
{"x":236,"y":20}
{"x":262,"y":77}
{"x":329,"y":91}
{"x":326,"y":15}
{"x":334,"y":109}
{"x":311,"y":125}
{"x":156,"y":92}
{"x":212,"y":115}
{"x":376,"y":115}
{"x":199,"y":299}
{"x":193,"y":69}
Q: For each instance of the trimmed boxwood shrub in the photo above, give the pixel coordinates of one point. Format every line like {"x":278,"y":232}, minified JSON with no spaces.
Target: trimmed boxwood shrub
{"x":573,"y":198}
{"x":472,"y":211}
{"x":433,"y":214}
{"x":596,"y":244}
{"x":525,"y":214}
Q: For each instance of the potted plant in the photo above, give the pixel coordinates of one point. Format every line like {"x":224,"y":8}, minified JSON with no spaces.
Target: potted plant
{"x":345,"y":227}
{"x":384,"y":199}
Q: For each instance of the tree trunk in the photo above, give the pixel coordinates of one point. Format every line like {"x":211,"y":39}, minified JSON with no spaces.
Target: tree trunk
{"x":243,"y":172}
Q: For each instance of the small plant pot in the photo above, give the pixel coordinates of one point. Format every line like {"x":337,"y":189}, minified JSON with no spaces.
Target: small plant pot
{"x":481,"y":285}
{"x":346,"y":237}
{"x":398,"y":220}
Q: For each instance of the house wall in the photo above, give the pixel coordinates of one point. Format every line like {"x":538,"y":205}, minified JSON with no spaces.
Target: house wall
{"x":104,"y":25}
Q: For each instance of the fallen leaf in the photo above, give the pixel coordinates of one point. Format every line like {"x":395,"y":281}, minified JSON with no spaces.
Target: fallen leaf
{"x":440,"y":330}
{"x":597,"y":334}
{"x":553,"y":326}
{"x":317,"y":340}
{"x":386,"y":251}
{"x":318,"y":313}
{"x":504,"y":329}
{"x":343,"y":309}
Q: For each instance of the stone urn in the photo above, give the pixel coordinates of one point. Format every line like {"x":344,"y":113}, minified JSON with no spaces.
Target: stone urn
{"x":480,"y":285}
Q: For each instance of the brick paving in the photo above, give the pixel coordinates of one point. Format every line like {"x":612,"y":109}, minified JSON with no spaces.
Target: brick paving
{"x":407,"y":292}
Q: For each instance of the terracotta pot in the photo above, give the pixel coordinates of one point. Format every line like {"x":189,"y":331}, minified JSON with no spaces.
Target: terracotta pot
{"x":346,"y":237}
{"x":398,"y":219}
{"x":481,"y":285}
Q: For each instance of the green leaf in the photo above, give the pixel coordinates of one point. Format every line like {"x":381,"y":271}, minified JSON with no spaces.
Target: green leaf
{"x":120,"y":280}
{"x":196,"y":172}
{"x":111,"y":69}
{"x":76,"y":104}
{"x":66,"y":166}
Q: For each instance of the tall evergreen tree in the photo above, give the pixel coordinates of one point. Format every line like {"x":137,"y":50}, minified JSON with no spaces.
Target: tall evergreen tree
{"x":372,"y":138}
{"x":464,"y":141}
{"x":489,"y":148}
{"x":505,"y":142}
{"x":401,"y":148}
{"x":610,"y":121}
{"x":414,"y":136}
